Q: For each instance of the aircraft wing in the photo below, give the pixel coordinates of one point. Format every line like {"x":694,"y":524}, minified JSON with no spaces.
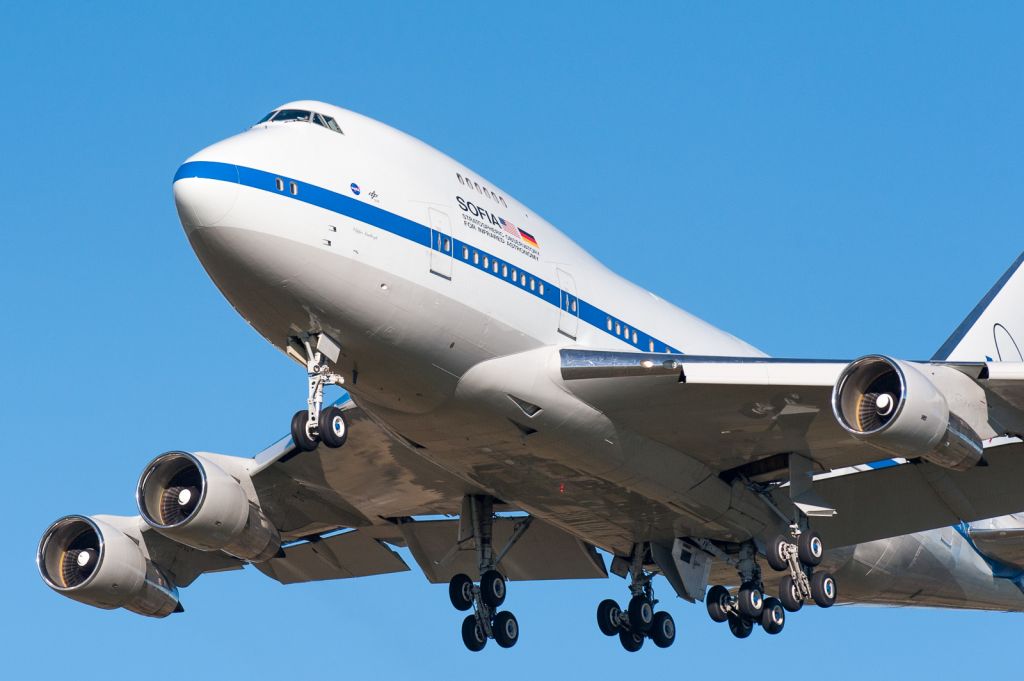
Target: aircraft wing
{"x":340,"y":512}
{"x":745,"y":416}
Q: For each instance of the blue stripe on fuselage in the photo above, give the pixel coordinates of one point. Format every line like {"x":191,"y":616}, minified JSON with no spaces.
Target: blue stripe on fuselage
{"x":419,"y":234}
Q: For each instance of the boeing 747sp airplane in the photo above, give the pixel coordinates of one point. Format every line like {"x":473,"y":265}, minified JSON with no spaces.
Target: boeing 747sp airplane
{"x":512,"y":406}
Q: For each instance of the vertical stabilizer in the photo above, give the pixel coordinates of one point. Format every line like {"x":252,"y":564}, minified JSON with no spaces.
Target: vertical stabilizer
{"x":994,"y":330}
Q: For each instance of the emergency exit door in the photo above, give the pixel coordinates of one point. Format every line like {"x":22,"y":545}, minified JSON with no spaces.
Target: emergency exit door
{"x":569,"y":304}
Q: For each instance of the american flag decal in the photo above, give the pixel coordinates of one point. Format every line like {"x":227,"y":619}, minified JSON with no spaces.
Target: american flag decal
{"x":509,"y":227}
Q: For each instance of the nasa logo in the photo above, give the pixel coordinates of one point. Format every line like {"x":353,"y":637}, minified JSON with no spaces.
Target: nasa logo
{"x":355,"y":188}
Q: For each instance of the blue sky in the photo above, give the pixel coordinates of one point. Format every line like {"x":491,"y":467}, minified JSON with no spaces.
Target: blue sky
{"x":821,"y":180}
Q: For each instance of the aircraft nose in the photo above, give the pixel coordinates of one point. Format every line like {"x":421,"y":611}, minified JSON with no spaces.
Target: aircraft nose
{"x":205,"y":193}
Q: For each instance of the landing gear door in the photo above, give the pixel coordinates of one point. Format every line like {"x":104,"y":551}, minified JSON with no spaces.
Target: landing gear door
{"x":441,"y":246}
{"x":569,"y":314}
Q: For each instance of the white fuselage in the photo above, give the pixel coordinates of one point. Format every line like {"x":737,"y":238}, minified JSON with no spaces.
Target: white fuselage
{"x":422,"y":270}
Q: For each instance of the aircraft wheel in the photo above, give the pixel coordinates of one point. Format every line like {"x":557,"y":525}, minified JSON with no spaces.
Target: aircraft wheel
{"x":811,"y":548}
{"x":788,"y":595}
{"x":301,"y":439}
{"x":773,"y":616}
{"x":492,"y":588}
{"x":663,"y":630}
{"x":473,"y":634}
{"x":460,"y":591}
{"x":823,"y":589}
{"x":506,"y":629}
{"x":750,"y":601}
{"x":641,"y":614}
{"x":740,"y":626}
{"x":631,"y":640}
{"x":333,"y":427}
{"x":608,"y":612}
{"x":716,"y":600}
{"x":776,"y":554}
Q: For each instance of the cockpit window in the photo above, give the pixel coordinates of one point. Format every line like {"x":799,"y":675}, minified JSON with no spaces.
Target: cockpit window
{"x":332,"y":124}
{"x":291,"y":115}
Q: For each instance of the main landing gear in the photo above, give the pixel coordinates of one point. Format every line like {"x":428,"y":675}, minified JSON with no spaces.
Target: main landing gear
{"x":799,"y":558}
{"x":312,"y":425}
{"x":486,"y":621}
{"x":639,"y":621}
{"x":748,"y":606}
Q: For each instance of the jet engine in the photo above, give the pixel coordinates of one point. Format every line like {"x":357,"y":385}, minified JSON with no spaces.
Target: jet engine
{"x":194,"y":501}
{"x":892,"y":405}
{"x":91,"y":561}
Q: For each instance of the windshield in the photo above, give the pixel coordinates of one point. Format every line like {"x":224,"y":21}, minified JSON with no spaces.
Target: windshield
{"x":291,"y":115}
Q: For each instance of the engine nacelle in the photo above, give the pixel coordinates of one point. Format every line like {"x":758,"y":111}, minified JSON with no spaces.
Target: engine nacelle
{"x":91,"y":561}
{"x":194,"y":501}
{"x":892,"y":405}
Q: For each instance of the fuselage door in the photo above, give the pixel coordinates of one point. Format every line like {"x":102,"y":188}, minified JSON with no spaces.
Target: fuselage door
{"x":441,"y":245}
{"x":569,"y":314}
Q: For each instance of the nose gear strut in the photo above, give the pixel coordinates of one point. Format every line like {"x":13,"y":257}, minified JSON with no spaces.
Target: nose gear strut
{"x":312,"y":425}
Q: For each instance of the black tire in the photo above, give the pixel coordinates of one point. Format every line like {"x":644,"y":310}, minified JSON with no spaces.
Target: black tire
{"x":740,"y":626}
{"x":492,"y":588}
{"x":631,"y":640}
{"x":788,"y":595}
{"x":506,"y":629}
{"x":641,"y":614}
{"x":663,"y":630}
{"x":460,"y":591}
{"x":716,"y":599}
{"x":333,"y":427}
{"x":775,"y":550}
{"x":303,"y":442}
{"x":811,"y":548}
{"x":823,"y":589}
{"x":608,"y":612}
{"x":750,"y":601}
{"x":473,"y":634}
{"x":773,"y":616}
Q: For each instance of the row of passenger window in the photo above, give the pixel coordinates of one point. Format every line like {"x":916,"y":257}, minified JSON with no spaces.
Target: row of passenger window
{"x":481,"y":190}
{"x":502,"y":270}
{"x":623,"y":331}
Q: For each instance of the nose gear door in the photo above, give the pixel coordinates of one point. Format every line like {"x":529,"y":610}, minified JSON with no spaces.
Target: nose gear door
{"x":569,"y":314}
{"x":441,"y":246}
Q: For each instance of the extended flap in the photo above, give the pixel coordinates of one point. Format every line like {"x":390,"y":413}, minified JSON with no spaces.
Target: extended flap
{"x":351,"y":554}
{"x":542,"y":552}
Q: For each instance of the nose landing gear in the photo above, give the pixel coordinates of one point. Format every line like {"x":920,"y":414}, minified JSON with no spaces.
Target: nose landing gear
{"x":312,"y":425}
{"x":639,"y":621}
